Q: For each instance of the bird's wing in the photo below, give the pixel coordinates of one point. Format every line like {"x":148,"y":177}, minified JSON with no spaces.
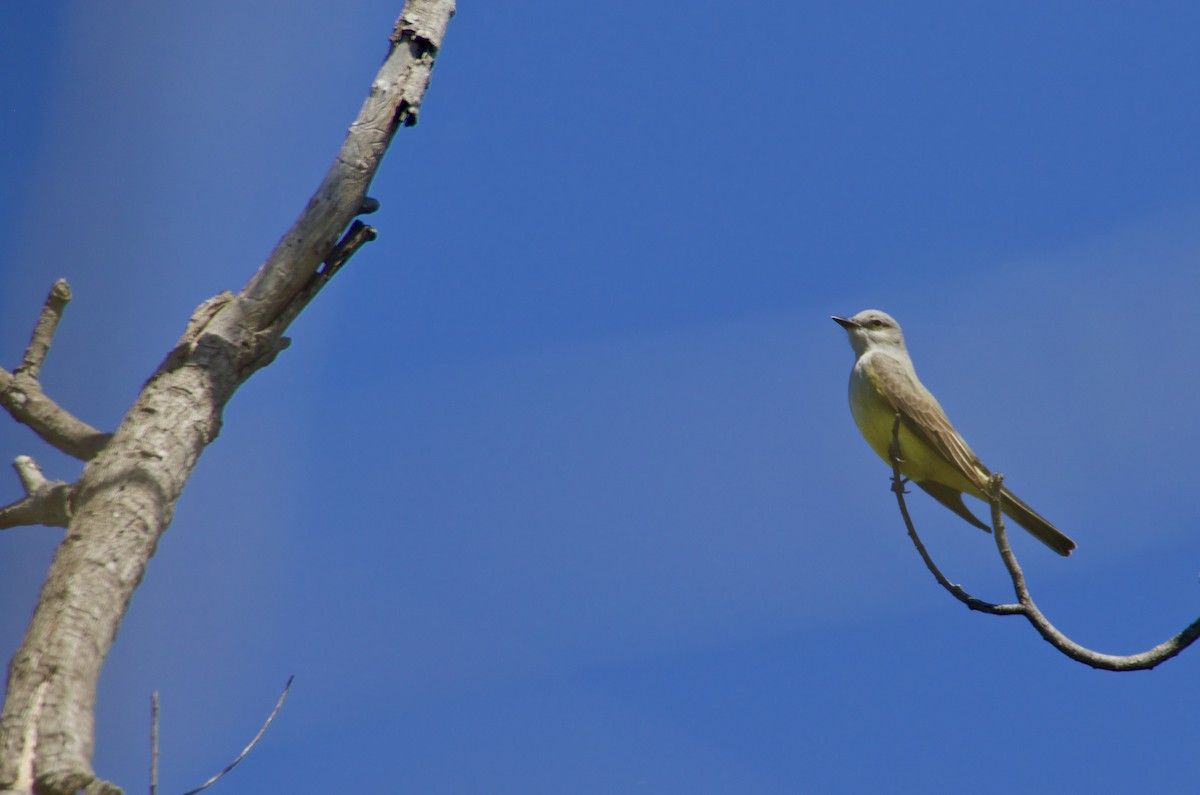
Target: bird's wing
{"x":922,"y":415}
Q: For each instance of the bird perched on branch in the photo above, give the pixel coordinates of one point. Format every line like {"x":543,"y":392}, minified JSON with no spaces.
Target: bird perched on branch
{"x":932,"y":454}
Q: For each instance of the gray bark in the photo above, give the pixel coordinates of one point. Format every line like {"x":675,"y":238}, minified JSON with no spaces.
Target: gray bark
{"x":124,"y":500}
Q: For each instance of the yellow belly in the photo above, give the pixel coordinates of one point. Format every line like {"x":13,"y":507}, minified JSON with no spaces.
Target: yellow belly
{"x":875,"y":419}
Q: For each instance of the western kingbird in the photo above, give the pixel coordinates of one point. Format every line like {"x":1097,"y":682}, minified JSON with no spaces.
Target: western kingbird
{"x":933,"y":455}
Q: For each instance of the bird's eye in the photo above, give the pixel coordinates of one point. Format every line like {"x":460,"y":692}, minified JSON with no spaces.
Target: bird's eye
{"x":876,"y":322}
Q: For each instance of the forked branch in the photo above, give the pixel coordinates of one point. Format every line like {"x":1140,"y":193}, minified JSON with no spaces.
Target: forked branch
{"x":21,"y":390}
{"x":1025,"y":606}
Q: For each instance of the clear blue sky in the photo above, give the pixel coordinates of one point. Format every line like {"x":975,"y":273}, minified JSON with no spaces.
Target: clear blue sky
{"x":557,"y":489}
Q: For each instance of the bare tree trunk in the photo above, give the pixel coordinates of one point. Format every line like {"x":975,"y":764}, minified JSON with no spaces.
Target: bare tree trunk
{"x":124,"y":500}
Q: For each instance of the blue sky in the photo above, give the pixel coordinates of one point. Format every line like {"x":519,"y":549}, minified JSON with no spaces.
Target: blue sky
{"x":557,"y":489}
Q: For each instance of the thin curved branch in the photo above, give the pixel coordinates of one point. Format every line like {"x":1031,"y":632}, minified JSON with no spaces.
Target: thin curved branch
{"x":1025,"y":605}
{"x":953,"y":589}
{"x":254,"y":742}
{"x":1109,"y":662}
{"x":21,"y":391}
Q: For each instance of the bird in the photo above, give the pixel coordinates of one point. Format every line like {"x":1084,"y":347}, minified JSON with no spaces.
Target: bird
{"x":932,"y":454}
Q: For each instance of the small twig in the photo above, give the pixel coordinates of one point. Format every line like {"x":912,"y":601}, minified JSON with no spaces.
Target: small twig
{"x":154,"y":743}
{"x":43,"y":332}
{"x":46,"y":502}
{"x":253,"y":742}
{"x":357,"y":236}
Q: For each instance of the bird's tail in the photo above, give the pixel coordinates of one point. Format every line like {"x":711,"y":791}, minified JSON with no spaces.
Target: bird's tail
{"x":1032,"y":521}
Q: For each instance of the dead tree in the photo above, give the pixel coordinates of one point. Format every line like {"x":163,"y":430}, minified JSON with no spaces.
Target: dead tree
{"x":123,"y":502}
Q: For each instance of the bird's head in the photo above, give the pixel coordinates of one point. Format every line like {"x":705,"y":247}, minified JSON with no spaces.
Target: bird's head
{"x":871,"y":328}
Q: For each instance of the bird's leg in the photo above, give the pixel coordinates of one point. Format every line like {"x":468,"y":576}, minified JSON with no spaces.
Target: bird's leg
{"x":894,"y":456}
{"x":894,"y":447}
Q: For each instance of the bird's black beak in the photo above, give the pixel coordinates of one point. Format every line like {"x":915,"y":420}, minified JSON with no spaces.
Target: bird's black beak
{"x":845,"y":322}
